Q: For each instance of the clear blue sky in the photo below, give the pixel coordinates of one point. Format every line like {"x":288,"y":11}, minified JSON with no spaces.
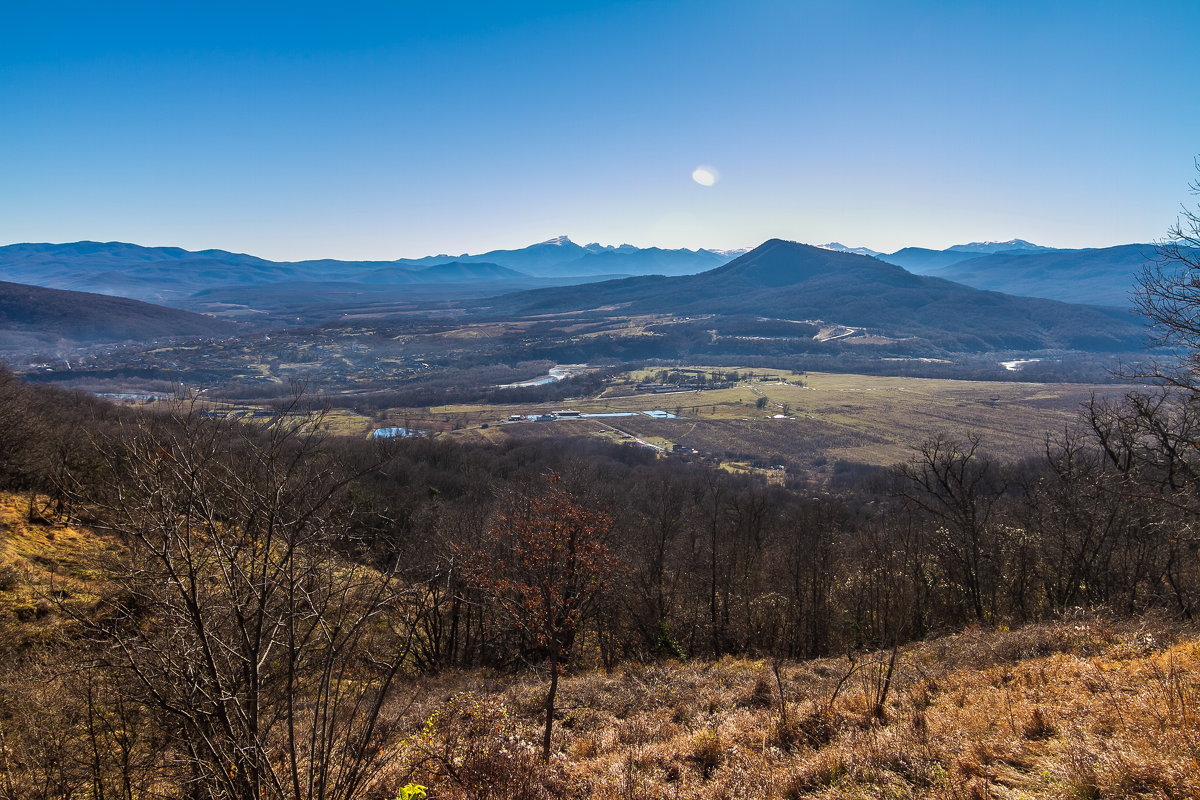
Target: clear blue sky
{"x":388,"y":129}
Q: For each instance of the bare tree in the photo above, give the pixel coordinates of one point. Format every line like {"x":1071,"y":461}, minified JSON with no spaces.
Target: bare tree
{"x":953,"y":482}
{"x":268,"y":654}
{"x":22,"y":436}
{"x":1168,"y":294}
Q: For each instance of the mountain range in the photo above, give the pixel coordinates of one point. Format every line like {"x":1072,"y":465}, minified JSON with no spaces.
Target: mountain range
{"x":1101,"y":276}
{"x":1096,"y":276}
{"x":170,"y":274}
{"x":921,"y":259}
{"x":853,"y":286}
{"x":792,"y":281}
{"x":189,"y":279}
{"x":561,"y":257}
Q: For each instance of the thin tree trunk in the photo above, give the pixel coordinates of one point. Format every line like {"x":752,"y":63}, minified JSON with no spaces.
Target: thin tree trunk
{"x":550,"y":695}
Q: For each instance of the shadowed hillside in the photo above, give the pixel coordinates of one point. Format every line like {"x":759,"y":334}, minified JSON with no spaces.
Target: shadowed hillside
{"x":53,"y":314}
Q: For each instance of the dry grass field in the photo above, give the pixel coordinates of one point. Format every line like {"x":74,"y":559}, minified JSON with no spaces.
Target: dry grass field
{"x":857,"y":418}
{"x":829,"y":417}
{"x":1082,"y":708}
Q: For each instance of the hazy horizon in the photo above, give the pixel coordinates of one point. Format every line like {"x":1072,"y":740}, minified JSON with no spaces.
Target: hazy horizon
{"x":476,"y":253}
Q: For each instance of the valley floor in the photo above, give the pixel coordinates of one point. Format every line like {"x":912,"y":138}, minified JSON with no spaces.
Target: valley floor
{"x":808,"y":420}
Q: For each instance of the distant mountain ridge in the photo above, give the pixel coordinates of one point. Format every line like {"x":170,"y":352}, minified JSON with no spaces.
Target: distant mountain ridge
{"x":187,"y":279}
{"x":561,"y":257}
{"x":999,"y":247}
{"x":923,"y":260}
{"x":792,"y":281}
{"x":449,"y":272}
{"x":1100,"y":276}
{"x":841,"y":248}
{"x":172,"y":274}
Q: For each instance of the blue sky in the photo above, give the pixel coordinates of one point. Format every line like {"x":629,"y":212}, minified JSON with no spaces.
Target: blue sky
{"x":389,"y":129}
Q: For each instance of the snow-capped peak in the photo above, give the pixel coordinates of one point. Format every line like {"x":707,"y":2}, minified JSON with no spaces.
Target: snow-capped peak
{"x":1014,"y":242}
{"x":998,"y":247}
{"x":841,"y":248}
{"x":558,"y":240}
{"x":596,"y":247}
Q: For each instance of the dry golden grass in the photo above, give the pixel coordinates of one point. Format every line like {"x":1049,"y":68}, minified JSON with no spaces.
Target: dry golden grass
{"x":858,"y":418}
{"x":341,"y":422}
{"x":48,"y":573}
{"x":1087,"y":708}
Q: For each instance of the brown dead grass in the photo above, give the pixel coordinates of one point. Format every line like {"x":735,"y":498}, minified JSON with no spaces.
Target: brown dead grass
{"x":49,"y":575}
{"x":866,"y":419}
{"x":1087,"y":708}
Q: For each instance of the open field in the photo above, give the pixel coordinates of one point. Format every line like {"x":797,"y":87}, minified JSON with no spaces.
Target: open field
{"x":809,"y":421}
{"x":831,"y":417}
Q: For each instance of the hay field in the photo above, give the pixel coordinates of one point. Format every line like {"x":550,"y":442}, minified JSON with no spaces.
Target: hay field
{"x":860,"y":418}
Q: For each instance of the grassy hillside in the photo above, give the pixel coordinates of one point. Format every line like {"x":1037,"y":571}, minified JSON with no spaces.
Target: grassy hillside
{"x":1082,"y":708}
{"x":1085,"y":707}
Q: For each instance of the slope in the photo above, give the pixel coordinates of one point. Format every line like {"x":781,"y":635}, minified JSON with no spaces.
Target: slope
{"x":33,"y":312}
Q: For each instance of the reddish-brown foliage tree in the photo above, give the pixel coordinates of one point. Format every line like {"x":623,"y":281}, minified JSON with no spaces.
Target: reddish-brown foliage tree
{"x":541,"y":562}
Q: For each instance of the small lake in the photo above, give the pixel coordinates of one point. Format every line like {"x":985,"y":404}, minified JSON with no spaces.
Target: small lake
{"x":1014,"y":366}
{"x":552,"y":376}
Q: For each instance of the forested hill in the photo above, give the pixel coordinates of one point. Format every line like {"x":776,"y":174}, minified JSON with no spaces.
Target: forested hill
{"x":83,"y":317}
{"x":788,"y":280}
